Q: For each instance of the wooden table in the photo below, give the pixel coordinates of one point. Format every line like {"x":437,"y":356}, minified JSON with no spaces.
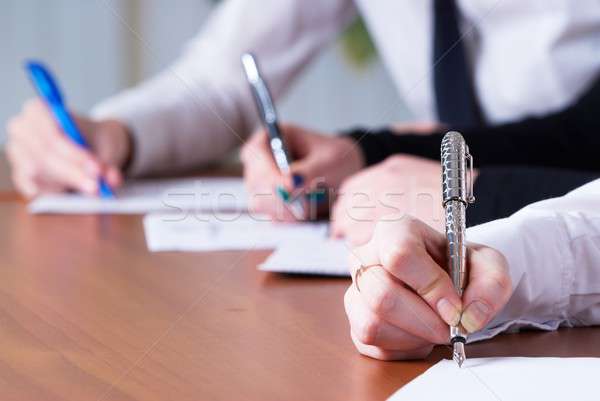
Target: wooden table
{"x":87,"y":313}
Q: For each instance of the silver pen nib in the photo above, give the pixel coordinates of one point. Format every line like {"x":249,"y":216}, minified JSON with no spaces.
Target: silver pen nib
{"x":458,"y":353}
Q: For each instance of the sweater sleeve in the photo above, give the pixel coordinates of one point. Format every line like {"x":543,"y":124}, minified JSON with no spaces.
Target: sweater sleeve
{"x":566,"y":139}
{"x":199,"y":107}
{"x":502,"y":191}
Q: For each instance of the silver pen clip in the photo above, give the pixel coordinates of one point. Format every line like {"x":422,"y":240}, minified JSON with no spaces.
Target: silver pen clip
{"x":470,"y":193}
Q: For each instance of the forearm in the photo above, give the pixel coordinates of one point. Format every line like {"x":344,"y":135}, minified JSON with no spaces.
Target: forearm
{"x":552,"y":253}
{"x":174,"y":133}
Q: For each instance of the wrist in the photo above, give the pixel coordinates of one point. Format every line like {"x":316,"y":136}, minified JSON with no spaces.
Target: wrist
{"x":353,"y":153}
{"x":368,"y":144}
{"x":122,"y":143}
{"x":350,"y":159}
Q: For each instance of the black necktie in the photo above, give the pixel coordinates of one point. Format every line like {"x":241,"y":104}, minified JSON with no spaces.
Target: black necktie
{"x":454,"y":94}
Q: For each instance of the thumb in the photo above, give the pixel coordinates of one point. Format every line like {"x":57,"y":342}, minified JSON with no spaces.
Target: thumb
{"x":488,"y":290}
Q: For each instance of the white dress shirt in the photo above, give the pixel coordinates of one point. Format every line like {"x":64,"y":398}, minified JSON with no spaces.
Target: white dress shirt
{"x":529,"y":57}
{"x":553,"y":253}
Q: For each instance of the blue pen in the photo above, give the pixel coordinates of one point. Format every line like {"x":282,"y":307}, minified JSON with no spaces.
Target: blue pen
{"x":48,"y":90}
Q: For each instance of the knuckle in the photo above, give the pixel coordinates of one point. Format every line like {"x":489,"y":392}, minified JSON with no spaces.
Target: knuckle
{"x":383,"y":301}
{"x":397,"y":256}
{"x":367,"y":332}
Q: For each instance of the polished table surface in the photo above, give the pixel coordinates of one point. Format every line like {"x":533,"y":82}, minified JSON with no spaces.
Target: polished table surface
{"x":87,"y":313}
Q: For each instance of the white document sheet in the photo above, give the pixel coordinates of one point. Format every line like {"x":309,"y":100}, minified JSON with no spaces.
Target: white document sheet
{"x":507,"y":379}
{"x":224,"y":231}
{"x":143,"y":196}
{"x":313,"y":256}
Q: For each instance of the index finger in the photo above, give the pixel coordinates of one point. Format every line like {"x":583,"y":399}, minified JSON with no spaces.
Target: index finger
{"x":405,"y":248}
{"x":259,"y":164}
{"x":391,"y":301}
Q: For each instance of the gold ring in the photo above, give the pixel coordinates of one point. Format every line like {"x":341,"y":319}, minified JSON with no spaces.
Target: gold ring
{"x":360,"y":271}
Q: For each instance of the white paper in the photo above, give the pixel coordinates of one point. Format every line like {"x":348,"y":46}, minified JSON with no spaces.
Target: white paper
{"x":506,"y":379}
{"x":143,"y":196}
{"x":311,"y":256}
{"x":224,"y":231}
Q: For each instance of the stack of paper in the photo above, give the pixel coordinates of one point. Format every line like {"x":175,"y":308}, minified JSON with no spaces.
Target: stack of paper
{"x":224,"y":231}
{"x":142,"y":196}
{"x":504,"y":379}
{"x":210,"y":214}
{"x":299,"y":248}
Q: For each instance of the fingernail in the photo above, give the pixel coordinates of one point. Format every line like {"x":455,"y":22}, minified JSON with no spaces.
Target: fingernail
{"x":298,"y":180}
{"x":283,"y":194}
{"x":475,"y":316}
{"x":448,"y":312}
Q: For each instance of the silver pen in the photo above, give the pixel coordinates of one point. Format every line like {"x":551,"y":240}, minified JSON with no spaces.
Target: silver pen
{"x":457,"y":193}
{"x":268,"y":115}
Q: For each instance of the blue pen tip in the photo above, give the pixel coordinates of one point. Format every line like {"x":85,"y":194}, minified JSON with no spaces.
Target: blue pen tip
{"x":105,"y":191}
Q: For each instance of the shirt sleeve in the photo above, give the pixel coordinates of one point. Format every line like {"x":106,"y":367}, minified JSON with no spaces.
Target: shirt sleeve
{"x":200,"y":107}
{"x":553,"y":249}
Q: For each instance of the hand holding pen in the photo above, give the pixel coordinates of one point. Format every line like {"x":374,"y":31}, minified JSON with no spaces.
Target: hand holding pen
{"x":45,"y":159}
{"x":322,"y":162}
{"x":413,"y":285}
{"x":299,"y":165}
{"x":402,"y":301}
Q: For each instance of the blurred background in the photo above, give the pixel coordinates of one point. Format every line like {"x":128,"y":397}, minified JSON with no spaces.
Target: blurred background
{"x":97,"y":47}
